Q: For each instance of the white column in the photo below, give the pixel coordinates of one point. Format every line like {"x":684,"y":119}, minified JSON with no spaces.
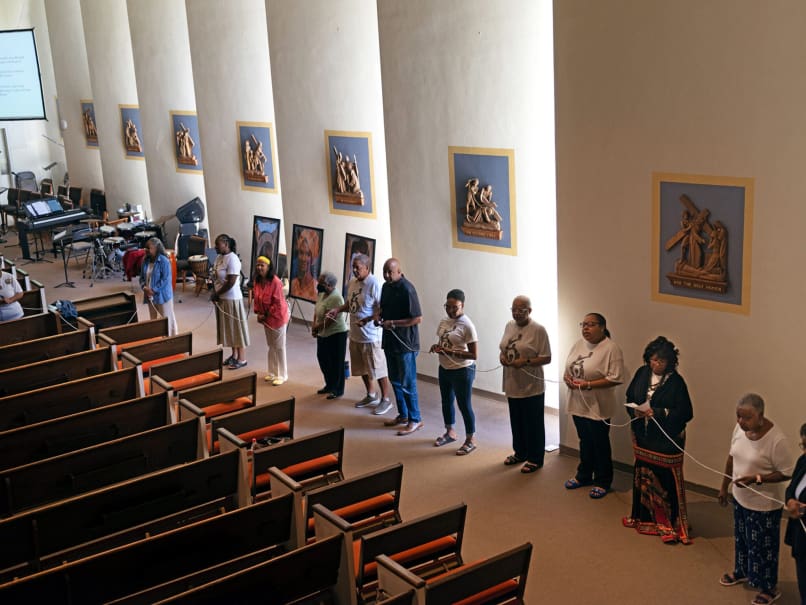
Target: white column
{"x":109,"y":53}
{"x":73,"y":84}
{"x":471,"y":73}
{"x":230,"y":54}
{"x":327,"y":76}
{"x":164,"y":75}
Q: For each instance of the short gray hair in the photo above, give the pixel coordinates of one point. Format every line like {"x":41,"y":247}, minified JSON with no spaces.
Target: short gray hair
{"x":752,"y":400}
{"x":362,"y":258}
{"x":329,"y":278}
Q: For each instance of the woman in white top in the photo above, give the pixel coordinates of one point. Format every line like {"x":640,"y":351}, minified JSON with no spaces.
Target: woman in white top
{"x":593,"y":368}
{"x":758,"y":463}
{"x":10,"y":294}
{"x":230,"y":313}
{"x":457,"y":370}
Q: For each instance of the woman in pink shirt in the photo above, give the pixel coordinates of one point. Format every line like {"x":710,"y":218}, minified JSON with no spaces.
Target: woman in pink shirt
{"x":272,"y":312}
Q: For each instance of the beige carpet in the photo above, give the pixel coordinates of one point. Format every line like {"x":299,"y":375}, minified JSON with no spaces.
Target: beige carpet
{"x":582,"y":554}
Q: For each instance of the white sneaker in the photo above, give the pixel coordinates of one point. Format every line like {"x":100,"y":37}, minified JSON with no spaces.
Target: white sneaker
{"x":384,"y":406}
{"x":370,"y":399}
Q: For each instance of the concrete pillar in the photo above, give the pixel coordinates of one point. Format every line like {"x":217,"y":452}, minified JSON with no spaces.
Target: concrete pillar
{"x":72,"y":84}
{"x":162,"y":66}
{"x":472,"y":73}
{"x":230,"y":55}
{"x":109,"y":53}
{"x":334,"y":43}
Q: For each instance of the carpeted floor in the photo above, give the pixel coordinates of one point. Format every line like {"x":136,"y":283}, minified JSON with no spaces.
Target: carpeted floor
{"x":582,"y":554}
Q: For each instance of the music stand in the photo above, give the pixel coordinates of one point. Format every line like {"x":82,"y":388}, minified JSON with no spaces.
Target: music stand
{"x":58,"y":238}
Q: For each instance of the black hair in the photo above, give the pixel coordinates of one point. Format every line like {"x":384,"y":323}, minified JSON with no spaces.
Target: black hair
{"x":257,"y":278}
{"x":602,"y":322}
{"x":456,"y":294}
{"x":664,"y":349}
{"x":230,"y":241}
{"x":803,"y":430}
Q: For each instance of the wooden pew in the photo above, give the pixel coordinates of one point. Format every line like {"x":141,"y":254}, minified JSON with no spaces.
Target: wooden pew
{"x":499,"y":579}
{"x":311,"y":461}
{"x":308,"y":574}
{"x":193,"y":371}
{"x":146,"y":355}
{"x":55,"y":371}
{"x":119,"y":514}
{"x":166,"y":564}
{"x":427,"y":546}
{"x":28,"y":328}
{"x":218,"y":398}
{"x":273,"y":422}
{"x":62,"y":400}
{"x":70,"y":433}
{"x":48,"y":347}
{"x":369,"y":501}
{"x":38,"y":483}
{"x":120,"y":338}
{"x":33,"y":301}
{"x":108,"y":310}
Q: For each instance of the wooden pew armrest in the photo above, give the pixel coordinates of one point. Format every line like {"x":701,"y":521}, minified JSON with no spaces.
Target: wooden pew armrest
{"x":394,"y":578}
{"x":324,"y":515}
{"x":163,"y":385}
{"x":129,"y":361}
{"x":229,"y":441}
{"x":104,"y":340}
{"x":186,"y":408}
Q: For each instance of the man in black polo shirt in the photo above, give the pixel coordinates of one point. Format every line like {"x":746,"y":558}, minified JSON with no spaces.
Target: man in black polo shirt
{"x":399,"y":315}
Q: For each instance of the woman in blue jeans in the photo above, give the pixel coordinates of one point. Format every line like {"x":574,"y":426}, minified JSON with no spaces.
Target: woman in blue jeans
{"x":457,"y":369}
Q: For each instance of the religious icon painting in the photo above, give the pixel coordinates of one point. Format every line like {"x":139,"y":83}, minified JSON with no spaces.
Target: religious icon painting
{"x":351,"y":176}
{"x":132,"y":132}
{"x":482,"y":194}
{"x":256,"y":156}
{"x":187,"y":151}
{"x":306,"y":262}
{"x":353,"y":246}
{"x":701,"y":244}
{"x":88,"y":120}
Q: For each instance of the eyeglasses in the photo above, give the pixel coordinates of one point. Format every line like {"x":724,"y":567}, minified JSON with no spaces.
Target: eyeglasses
{"x":451,"y":307}
{"x":517,"y":311}
{"x":589,"y":324}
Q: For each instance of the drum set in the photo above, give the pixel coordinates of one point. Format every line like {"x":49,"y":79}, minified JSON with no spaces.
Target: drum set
{"x":109,"y":245}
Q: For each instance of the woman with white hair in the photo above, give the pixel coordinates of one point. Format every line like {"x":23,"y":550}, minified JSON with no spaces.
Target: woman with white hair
{"x":758,"y":464}
{"x":331,"y":335}
{"x":157,"y":283}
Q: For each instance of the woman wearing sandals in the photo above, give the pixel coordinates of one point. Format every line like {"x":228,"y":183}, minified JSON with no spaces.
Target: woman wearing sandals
{"x":230,"y":314}
{"x":524,"y":351}
{"x":272,"y":313}
{"x":457,"y":369}
{"x":594,"y":367}
{"x":758,"y":463}
{"x":662,"y":409}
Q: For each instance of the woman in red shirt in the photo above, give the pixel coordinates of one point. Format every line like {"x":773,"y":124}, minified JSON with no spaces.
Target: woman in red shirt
{"x":271,"y":309}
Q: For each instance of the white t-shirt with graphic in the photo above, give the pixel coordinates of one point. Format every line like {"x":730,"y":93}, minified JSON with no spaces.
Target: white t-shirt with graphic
{"x":362,"y":299}
{"x":455,"y":333}
{"x":528,"y":341}
{"x":588,"y":361}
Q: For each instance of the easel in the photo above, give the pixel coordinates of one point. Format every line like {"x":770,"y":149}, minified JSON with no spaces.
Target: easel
{"x":295,"y":305}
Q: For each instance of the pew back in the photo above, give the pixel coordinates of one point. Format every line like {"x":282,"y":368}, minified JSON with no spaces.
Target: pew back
{"x":33,"y":302}
{"x":53,"y":437}
{"x":28,"y":328}
{"x":266,"y":421}
{"x":172,"y":348}
{"x":47,"y":347}
{"x":108,"y":310}
{"x":193,"y":371}
{"x":218,"y":398}
{"x":55,"y":371}
{"x":61,"y":400}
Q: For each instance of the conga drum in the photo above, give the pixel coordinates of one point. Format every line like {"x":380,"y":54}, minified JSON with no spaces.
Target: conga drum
{"x":199,"y":266}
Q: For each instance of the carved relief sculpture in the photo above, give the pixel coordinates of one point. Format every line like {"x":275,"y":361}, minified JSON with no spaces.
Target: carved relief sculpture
{"x":699,"y":269}
{"x":481,"y":217}
{"x":90,"y":133}
{"x":347,"y":182}
{"x":254,"y":160}
{"x":132,"y":138}
{"x":184,"y":146}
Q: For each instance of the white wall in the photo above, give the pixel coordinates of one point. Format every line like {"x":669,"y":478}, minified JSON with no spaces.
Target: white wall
{"x":28,"y":149}
{"x":73,"y":83}
{"x":335,"y":43}
{"x":469,"y":73}
{"x":712,"y":88}
{"x":109,"y":54}
{"x":230,"y":55}
{"x":162,"y":66}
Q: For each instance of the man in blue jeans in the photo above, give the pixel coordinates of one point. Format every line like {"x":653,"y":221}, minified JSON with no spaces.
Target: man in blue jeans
{"x":399,"y":314}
